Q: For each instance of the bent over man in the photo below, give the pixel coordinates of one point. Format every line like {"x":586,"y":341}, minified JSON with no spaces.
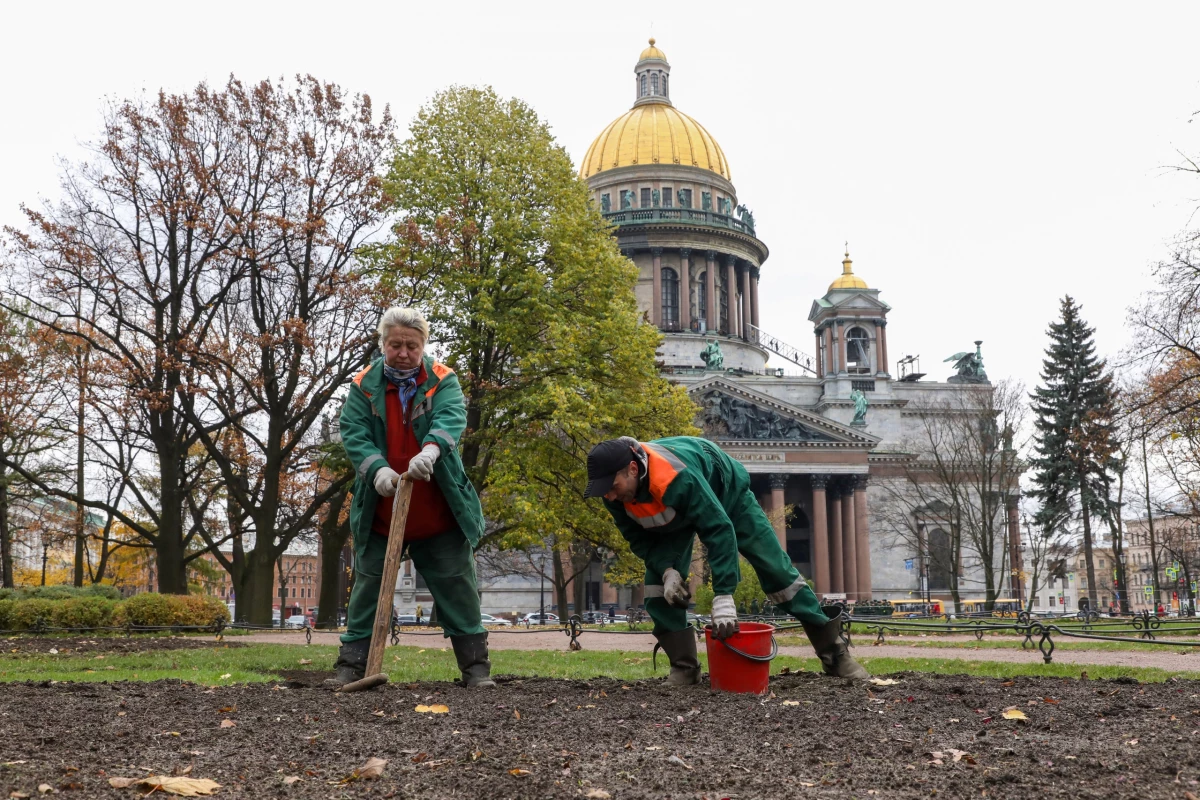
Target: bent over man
{"x":663,"y":493}
{"x":405,"y":413}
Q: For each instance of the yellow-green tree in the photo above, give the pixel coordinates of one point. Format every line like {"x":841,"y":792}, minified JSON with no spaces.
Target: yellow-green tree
{"x":531,"y":302}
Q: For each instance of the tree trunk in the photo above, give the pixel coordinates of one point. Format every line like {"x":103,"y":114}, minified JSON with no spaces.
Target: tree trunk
{"x":560,"y":584}
{"x":80,"y":513}
{"x":256,"y":593}
{"x":1150,"y":520}
{"x":168,"y":545}
{"x":334,"y":535}
{"x":6,"y":561}
{"x":1087,"y":554}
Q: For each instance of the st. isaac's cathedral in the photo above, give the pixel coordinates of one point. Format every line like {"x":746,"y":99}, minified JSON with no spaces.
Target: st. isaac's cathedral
{"x":819,"y":438}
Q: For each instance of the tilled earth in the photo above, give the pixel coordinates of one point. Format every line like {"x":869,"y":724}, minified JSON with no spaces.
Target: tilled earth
{"x":927,"y":735}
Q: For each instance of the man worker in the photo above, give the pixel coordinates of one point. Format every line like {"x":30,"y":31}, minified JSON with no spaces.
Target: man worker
{"x":662,"y":494}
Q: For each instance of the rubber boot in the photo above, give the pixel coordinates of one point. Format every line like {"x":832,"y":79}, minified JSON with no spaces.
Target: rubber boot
{"x":472,"y":654}
{"x":351,"y":664}
{"x":833,"y":651}
{"x":680,"y":647}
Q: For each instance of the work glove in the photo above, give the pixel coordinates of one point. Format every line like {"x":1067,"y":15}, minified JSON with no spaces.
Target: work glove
{"x":420,"y":466}
{"x":724,"y":616}
{"x":386,"y":481}
{"x":675,"y":589}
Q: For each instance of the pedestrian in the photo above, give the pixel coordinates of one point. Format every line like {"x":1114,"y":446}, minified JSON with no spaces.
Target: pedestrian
{"x":754,"y":606}
{"x":612,"y":613}
{"x":420,"y":614}
{"x":664,"y":493}
{"x":404,"y":414}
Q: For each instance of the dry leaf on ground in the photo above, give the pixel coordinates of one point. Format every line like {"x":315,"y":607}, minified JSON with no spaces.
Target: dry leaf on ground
{"x":519,"y":773}
{"x":434,"y":709}
{"x":45,"y":788}
{"x":884,"y":681}
{"x":1014,"y":713}
{"x":184,"y":787}
{"x":516,"y":714}
{"x":791,"y":702}
{"x":306,"y":661}
{"x":679,"y":761}
{"x":598,"y":794}
{"x":227,"y":676}
{"x":372,"y":769}
{"x":228,"y":723}
{"x":290,"y":779}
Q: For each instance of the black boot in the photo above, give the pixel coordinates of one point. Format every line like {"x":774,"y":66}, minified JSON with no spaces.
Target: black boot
{"x":351,"y":664}
{"x":680,"y":647}
{"x":833,"y":651}
{"x":472,"y":654}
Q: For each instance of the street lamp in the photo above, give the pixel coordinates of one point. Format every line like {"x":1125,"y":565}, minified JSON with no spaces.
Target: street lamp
{"x":542,"y":596}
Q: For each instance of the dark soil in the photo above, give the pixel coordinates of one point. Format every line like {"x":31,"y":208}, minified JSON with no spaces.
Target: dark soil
{"x":106,"y":644}
{"x":537,"y":738}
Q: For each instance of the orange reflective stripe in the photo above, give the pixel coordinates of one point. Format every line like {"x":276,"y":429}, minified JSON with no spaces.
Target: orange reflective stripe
{"x":358,"y":379}
{"x":441,"y":371}
{"x":662,"y":472}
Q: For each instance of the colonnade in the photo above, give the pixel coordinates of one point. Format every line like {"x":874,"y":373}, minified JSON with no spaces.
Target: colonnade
{"x":740,"y":289}
{"x":840,"y":548}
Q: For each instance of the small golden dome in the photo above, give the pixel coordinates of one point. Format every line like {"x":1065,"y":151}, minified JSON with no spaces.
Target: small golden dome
{"x":848,"y":280}
{"x":652,"y":52}
{"x":654,"y":133}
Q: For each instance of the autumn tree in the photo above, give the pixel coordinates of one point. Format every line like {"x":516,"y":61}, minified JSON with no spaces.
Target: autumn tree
{"x":531,"y":302}
{"x":954,"y":493}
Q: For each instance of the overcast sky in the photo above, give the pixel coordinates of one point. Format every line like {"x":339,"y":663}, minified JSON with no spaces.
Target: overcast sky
{"x":982,"y":159}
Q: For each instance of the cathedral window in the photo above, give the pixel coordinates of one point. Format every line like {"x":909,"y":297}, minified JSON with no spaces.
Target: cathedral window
{"x":667,"y":194}
{"x":645,"y":199}
{"x":653,"y":84}
{"x":701,"y":297}
{"x":670,"y":299}
{"x":665,"y":94}
{"x":858,"y":355}
{"x":643,"y":91}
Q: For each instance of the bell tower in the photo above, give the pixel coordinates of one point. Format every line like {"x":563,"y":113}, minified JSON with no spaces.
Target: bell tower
{"x":652,"y":74}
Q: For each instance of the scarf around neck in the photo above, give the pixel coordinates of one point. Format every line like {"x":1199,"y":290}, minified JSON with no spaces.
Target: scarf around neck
{"x":405,"y":381}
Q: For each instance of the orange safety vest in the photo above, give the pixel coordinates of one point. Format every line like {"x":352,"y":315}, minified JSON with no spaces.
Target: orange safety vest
{"x":662,"y":467}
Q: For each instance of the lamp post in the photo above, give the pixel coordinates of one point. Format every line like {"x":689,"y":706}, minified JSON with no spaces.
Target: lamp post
{"x":542,"y":596}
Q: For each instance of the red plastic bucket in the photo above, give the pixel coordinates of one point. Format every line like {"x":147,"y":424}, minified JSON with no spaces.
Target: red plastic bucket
{"x":741,"y":663}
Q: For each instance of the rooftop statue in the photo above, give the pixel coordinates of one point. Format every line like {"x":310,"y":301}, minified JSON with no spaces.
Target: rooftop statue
{"x":711,"y":356}
{"x":746,"y":216}
{"x":605,"y":204}
{"x":655,"y":197}
{"x":969,"y":366}
{"x":860,"y":407}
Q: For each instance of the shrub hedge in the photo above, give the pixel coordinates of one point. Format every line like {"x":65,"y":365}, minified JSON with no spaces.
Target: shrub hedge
{"x":97,"y":611}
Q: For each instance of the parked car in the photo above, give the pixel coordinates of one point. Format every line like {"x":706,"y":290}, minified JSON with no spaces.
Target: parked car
{"x":488,"y":619}
{"x":295,"y":621}
{"x":408,"y":619}
{"x":535,"y":617}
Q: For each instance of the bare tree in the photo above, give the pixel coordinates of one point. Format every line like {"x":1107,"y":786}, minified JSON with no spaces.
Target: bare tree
{"x":1045,"y":557}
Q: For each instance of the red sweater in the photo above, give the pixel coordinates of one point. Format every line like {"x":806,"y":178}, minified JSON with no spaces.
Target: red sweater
{"x":429,"y":514}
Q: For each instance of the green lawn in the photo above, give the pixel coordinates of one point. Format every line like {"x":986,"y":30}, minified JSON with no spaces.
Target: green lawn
{"x":264,"y":662}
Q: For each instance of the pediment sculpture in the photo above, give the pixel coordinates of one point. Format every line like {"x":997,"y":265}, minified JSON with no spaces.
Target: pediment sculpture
{"x":725,"y":417}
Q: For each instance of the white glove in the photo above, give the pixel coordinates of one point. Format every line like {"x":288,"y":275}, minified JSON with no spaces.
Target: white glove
{"x":724,"y":616}
{"x":386,"y":481}
{"x":420,"y":466}
{"x":675,"y":589}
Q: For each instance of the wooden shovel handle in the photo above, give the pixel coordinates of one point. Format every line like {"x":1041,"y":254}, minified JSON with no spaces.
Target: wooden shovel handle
{"x":387,"y":583}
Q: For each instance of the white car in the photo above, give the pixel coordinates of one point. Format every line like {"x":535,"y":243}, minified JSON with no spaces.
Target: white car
{"x":534,"y":618}
{"x":488,"y":619}
{"x":295,"y":621}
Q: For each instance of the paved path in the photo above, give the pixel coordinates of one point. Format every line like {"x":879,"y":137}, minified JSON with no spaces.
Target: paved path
{"x":555,"y":639}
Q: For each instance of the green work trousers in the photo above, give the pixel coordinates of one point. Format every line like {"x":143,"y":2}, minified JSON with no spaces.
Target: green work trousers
{"x":447,"y":564}
{"x":756,"y":540}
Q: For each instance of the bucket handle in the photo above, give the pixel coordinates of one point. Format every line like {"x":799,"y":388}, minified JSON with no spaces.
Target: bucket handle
{"x":774,"y":651}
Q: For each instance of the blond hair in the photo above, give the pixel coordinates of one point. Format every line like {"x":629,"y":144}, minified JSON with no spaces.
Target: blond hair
{"x":401,"y":318}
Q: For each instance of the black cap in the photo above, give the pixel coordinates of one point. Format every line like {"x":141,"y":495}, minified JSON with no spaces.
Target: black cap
{"x":604,"y":462}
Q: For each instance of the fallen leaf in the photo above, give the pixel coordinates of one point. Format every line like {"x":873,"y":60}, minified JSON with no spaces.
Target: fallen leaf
{"x":372,"y":769}
{"x":122,"y":783}
{"x":46,"y":788}
{"x":378,"y":713}
{"x":1014,"y":713}
{"x":598,"y":794}
{"x":1132,"y":742}
{"x":516,"y":714}
{"x":435,"y":709}
{"x":654,"y":747}
{"x":18,"y":795}
{"x":226,"y":709}
{"x":290,"y":779}
{"x":519,"y":773}
{"x":552,"y":702}
{"x":790,"y":703}
{"x":228,"y":723}
{"x":1050,"y":700}
{"x":679,"y":761}
{"x":1009,"y":683}
{"x":884,"y":681}
{"x":227,"y":676}
{"x":305,"y":661}
{"x":184,"y":787}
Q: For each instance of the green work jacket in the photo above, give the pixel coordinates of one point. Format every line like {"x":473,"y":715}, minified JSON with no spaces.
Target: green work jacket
{"x":439,"y":415}
{"x":705,"y":482}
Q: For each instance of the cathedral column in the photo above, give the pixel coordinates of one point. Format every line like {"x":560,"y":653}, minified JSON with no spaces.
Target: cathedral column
{"x":820,"y":356}
{"x":841,"y":337}
{"x":849,"y":544}
{"x":820,"y":535}
{"x":685,"y":290}
{"x":754,"y":296}
{"x":746,"y":316}
{"x":656,"y":269}
{"x":778,"y":482}
{"x":828,"y":368}
{"x":731,"y":302}
{"x":837,"y":583}
{"x":861,"y":538}
{"x":712,"y":317}
{"x":881,"y":348}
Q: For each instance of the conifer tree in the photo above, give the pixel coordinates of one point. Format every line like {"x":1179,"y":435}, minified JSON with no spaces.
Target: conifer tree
{"x":1074,"y":421}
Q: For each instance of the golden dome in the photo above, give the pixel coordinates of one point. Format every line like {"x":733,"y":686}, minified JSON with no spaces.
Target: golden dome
{"x":848,"y":280}
{"x":652,"y":52}
{"x":654,"y":133}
